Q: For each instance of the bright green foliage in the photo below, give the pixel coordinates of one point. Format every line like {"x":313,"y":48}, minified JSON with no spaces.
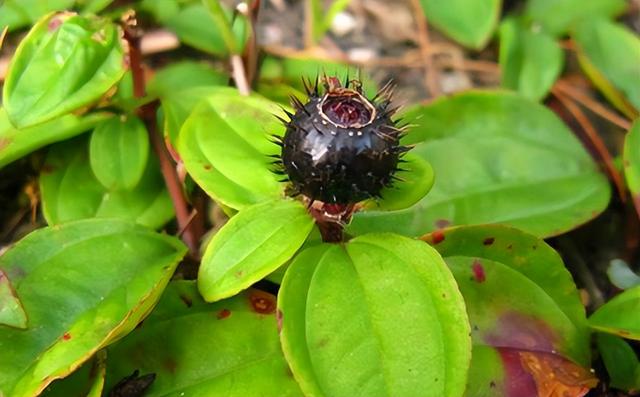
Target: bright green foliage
{"x":530,"y":61}
{"x":225,"y":145}
{"x":82,"y":285}
{"x":558,"y":16}
{"x":195,"y":27}
{"x":619,"y":316}
{"x":19,"y":13}
{"x":64,"y":199}
{"x":632,"y":162}
{"x":518,"y":296}
{"x":65,"y":63}
{"x":470,"y":22}
{"x":610,"y":55}
{"x":16,"y":143}
{"x":621,"y":362}
{"x":254,"y":243}
{"x":498,"y":158}
{"x":414,"y":182}
{"x":118,"y":152}
{"x":229,"y":348}
{"x":380,"y":316}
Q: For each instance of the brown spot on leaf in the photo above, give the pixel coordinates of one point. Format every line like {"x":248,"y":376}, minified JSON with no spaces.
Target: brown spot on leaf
{"x":262,"y":302}
{"x":488,"y":241}
{"x":442,"y":223}
{"x":186,"y":300}
{"x":54,"y":24}
{"x":478,"y":271}
{"x":279,"y":320}
{"x":207,"y":167}
{"x":4,"y":142}
{"x":170,"y":365}
{"x":66,"y":336}
{"x":437,"y":237}
{"x":510,"y":246}
{"x":555,"y":376}
{"x":224,"y":313}
{"x":239,"y":273}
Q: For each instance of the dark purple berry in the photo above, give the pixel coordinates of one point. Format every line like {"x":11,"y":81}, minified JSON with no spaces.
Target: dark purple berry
{"x":340,"y":147}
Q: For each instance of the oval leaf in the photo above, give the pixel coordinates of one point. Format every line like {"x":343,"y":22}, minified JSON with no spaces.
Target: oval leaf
{"x":254,"y":243}
{"x":632,"y":162}
{"x":70,"y":191}
{"x":530,"y":61}
{"x":16,"y":143}
{"x":383,"y":317}
{"x":66,"y":62}
{"x":469,"y":22}
{"x":619,"y":316}
{"x":97,"y":274}
{"x":558,"y":16}
{"x":415,"y":179}
{"x":225,"y":147}
{"x":610,"y":55}
{"x":118,"y":152}
{"x":520,"y":300}
{"x":292,"y":305}
{"x":499,"y":158}
{"x":229,"y":348}
{"x":621,"y":362}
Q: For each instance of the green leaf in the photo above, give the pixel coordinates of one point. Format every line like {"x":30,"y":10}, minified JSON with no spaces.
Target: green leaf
{"x":178,"y":105}
{"x":610,"y":55}
{"x":530,"y":61}
{"x":632,"y":162}
{"x":621,"y":362}
{"x":522,"y":304}
{"x":498,"y":158}
{"x":416,"y":179}
{"x":70,"y":191}
{"x":619,"y":316}
{"x":19,"y":13}
{"x":81,"y":285}
{"x":225,"y":146}
{"x":162,"y":10}
{"x":292,"y":304}
{"x":558,"y":16}
{"x":94,"y":6}
{"x":196,"y":28}
{"x":184,"y":75}
{"x":65,"y":63}
{"x":87,"y":381}
{"x":229,"y":348}
{"x":505,"y":275}
{"x":11,"y":311}
{"x":381,"y":316}
{"x":254,"y":243}
{"x":16,"y":143}
{"x":469,"y":22}
{"x":118,"y":152}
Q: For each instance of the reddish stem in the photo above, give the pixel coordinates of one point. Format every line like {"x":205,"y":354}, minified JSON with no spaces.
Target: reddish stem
{"x":148,"y":113}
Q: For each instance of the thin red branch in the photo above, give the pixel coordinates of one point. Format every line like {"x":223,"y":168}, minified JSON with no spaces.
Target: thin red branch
{"x":148,"y":113}
{"x":579,"y":96}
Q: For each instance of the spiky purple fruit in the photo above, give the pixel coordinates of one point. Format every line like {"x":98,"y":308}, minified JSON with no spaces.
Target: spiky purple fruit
{"x":340,"y":147}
